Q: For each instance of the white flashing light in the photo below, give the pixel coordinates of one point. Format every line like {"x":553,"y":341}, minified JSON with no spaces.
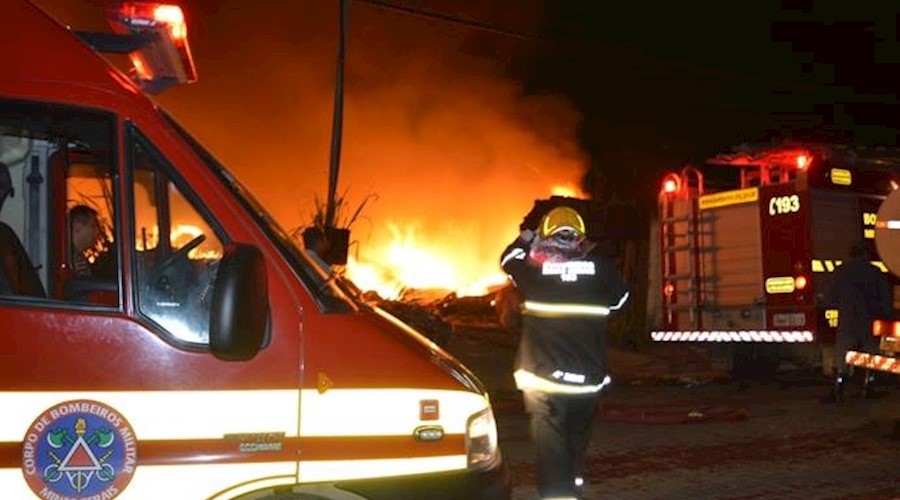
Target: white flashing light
{"x":173,"y":17}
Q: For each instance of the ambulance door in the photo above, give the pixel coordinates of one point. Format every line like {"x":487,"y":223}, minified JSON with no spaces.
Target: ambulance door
{"x":110,"y":386}
{"x":60,"y":350}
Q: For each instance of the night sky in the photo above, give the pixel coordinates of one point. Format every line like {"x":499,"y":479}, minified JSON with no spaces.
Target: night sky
{"x":675,"y":80}
{"x":473,"y":108}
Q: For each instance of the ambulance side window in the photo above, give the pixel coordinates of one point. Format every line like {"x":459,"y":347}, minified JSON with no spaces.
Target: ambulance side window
{"x":177,"y":249}
{"x":91,"y":260}
{"x":58,"y":228}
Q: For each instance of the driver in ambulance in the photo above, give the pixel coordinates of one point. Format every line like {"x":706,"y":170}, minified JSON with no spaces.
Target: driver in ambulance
{"x":84,"y":226}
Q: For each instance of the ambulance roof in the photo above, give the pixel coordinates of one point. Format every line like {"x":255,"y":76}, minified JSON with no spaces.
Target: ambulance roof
{"x":44,"y":60}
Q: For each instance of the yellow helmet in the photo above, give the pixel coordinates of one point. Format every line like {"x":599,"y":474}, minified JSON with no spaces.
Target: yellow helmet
{"x":561,"y":219}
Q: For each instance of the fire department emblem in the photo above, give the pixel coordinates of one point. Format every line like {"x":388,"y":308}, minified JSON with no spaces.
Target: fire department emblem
{"x":79,"y":449}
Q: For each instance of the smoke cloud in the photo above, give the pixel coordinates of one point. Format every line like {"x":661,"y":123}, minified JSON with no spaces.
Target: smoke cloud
{"x":445,"y":148}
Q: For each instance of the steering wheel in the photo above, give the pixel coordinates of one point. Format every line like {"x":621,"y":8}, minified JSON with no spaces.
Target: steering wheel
{"x":181,"y":253}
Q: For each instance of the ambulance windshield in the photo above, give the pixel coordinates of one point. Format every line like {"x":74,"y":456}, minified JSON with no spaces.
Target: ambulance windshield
{"x":334,"y":294}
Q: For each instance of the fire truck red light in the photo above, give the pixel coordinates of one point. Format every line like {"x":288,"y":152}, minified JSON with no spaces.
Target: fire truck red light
{"x":800,"y":282}
{"x":670,"y":186}
{"x":802,"y":161}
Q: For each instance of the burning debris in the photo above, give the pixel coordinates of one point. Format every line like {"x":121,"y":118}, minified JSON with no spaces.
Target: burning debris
{"x":442,"y":316}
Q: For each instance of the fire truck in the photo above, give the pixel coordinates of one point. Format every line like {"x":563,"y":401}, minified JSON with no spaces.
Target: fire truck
{"x":748,"y":242}
{"x":887,"y":241}
{"x":191,"y":348}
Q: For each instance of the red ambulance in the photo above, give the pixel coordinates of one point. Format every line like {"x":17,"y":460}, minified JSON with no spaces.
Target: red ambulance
{"x":192,"y":349}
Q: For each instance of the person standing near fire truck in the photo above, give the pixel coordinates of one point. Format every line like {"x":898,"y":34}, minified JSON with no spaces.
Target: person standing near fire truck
{"x":569,"y":291}
{"x":862,"y":294}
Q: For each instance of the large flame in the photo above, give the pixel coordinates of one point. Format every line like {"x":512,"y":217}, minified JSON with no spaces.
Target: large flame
{"x":408,"y":261}
{"x":455,"y":150}
{"x":455,"y":259}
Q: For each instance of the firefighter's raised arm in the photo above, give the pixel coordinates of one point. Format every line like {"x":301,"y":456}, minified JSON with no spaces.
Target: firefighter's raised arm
{"x":516,"y":253}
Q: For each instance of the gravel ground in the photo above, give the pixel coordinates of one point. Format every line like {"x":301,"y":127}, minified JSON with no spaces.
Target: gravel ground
{"x":672,"y":427}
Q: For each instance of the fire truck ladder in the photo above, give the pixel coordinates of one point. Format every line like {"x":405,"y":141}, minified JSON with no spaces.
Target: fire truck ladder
{"x":680,"y":235}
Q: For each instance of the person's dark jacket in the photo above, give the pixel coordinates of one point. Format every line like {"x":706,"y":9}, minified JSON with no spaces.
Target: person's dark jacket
{"x":565,"y":311}
{"x":862,"y":294}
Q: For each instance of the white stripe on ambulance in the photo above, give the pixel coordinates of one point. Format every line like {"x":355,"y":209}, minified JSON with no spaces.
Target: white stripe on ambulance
{"x":169,"y":415}
{"x":383,"y":412}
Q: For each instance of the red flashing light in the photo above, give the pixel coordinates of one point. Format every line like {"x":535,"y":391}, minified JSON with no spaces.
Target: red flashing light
{"x":166,"y":60}
{"x":802,"y":161}
{"x":800,"y":282}
{"x":671,"y":184}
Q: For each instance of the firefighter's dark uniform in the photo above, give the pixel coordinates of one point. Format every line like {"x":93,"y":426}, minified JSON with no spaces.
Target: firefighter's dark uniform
{"x":560,"y":364}
{"x":862,"y":294}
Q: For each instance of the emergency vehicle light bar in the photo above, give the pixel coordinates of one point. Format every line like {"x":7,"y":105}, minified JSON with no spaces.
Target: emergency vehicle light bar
{"x":154,"y":36}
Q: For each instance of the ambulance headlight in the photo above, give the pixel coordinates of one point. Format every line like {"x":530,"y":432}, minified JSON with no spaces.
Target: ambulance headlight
{"x":481,"y":440}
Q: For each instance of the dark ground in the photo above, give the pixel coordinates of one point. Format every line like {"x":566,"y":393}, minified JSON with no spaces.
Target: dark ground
{"x":673,"y":426}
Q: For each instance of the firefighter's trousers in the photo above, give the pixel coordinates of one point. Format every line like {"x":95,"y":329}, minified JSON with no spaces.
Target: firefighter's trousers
{"x":561,"y":431}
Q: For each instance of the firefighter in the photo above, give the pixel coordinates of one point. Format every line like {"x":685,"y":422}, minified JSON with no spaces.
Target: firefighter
{"x":569,"y":290}
{"x":862,"y":294}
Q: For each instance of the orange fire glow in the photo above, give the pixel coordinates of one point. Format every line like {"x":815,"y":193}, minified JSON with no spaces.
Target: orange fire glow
{"x":411,"y":262}
{"x":455,"y":259}
{"x":454,"y":150}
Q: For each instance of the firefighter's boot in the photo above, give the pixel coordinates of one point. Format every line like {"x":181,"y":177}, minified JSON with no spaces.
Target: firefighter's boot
{"x":836,"y":395}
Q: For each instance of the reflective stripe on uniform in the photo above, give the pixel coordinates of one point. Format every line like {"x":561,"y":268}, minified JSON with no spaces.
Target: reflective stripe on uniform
{"x":526,"y":380}
{"x":515,"y":253}
{"x":621,"y":302}
{"x":551,"y":310}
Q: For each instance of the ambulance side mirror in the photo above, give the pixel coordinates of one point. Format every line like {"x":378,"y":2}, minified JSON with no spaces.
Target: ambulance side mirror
{"x":239,"y":313}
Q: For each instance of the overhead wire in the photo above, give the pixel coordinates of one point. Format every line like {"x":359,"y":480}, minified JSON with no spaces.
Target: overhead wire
{"x":657,"y":62}
{"x":452,"y":19}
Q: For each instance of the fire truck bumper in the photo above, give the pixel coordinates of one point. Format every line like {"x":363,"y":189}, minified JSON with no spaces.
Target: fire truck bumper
{"x":878,"y":362}
{"x":491,"y":483}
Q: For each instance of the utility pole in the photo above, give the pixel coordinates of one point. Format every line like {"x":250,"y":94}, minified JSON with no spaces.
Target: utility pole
{"x":338,"y":118}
